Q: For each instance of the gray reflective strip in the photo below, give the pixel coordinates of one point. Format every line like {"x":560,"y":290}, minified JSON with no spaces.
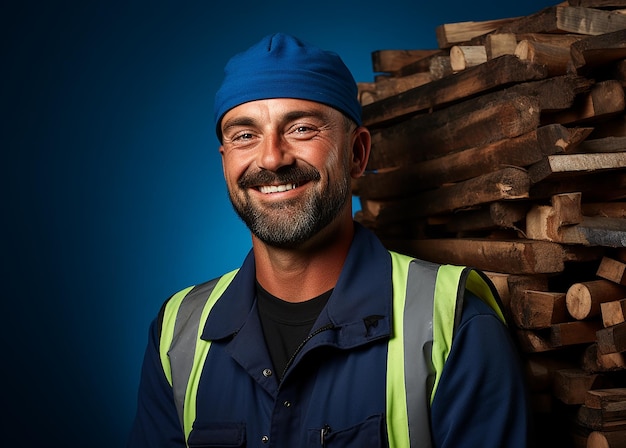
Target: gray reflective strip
{"x":183,"y":347}
{"x":418,"y":337}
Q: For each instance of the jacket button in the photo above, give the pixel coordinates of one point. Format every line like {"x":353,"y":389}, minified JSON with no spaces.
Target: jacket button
{"x":267,"y":373}
{"x":287,"y":404}
{"x":265,"y":439}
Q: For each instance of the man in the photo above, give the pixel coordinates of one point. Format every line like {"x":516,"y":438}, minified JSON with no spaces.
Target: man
{"x":322,"y":337}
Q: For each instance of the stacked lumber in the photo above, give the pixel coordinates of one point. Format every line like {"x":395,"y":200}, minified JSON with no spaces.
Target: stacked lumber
{"x":505,"y":149}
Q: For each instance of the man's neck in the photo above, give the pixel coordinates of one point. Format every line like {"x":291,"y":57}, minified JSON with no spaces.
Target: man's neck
{"x":296,"y":275}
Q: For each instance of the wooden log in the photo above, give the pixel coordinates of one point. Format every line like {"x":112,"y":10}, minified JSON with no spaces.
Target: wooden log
{"x":465,"y":56}
{"x":440,"y":67}
{"x":595,"y":362}
{"x":612,"y":270}
{"x":599,"y":50}
{"x":583,"y":299}
{"x":600,"y":420}
{"x":612,"y":339}
{"x":539,"y":309}
{"x":567,"y":19}
{"x":391,"y":61}
{"x":555,"y":58}
{"x":605,"y":99}
{"x":483,"y":78}
{"x":475,"y":122}
{"x":607,"y":439}
{"x":571,"y":385}
{"x":450,"y":34}
{"x":499,"y":44}
{"x":613,"y":312}
{"x":510,"y":256}
{"x":545,"y":222}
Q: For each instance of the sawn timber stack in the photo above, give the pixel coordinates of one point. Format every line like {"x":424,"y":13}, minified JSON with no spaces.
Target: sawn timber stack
{"x":505,"y":149}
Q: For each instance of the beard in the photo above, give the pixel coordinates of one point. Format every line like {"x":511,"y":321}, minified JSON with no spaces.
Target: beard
{"x":289,"y":223}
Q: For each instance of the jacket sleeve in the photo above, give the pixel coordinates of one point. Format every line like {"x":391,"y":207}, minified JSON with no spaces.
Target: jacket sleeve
{"x":481,"y":399}
{"x":156,"y":423}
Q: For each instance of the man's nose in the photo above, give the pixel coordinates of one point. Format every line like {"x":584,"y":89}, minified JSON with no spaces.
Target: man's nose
{"x":274,"y":153}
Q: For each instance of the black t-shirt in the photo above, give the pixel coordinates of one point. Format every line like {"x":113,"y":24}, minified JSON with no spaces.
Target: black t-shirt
{"x":286,"y":325}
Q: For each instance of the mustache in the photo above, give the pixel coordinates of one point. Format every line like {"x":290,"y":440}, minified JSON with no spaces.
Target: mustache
{"x":284,"y":175}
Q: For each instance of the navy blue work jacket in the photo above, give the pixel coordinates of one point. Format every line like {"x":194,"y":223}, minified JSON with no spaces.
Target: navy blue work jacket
{"x":333,"y":392}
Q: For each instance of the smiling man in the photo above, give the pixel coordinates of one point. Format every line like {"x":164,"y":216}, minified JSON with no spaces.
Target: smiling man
{"x":322,"y":337}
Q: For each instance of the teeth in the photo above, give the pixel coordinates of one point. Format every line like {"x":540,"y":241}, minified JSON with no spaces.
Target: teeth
{"x":276,"y":188}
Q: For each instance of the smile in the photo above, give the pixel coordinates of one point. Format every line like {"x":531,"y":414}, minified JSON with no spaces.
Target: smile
{"x":268,"y":189}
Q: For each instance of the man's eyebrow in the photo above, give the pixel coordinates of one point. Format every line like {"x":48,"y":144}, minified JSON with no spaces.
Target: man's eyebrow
{"x":297,"y":114}
{"x":237,"y":121}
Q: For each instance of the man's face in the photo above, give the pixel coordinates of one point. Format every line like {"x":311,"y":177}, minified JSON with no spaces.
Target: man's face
{"x":287,"y":165}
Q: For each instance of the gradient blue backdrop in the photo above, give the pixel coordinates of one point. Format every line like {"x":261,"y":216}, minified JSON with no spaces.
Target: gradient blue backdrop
{"x":113,"y":192}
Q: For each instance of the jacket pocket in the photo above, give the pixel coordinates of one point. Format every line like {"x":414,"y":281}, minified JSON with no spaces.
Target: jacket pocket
{"x":371,"y":433}
{"x":218,"y":435}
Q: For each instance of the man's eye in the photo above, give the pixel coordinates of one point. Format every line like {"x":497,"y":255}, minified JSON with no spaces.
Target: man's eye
{"x":243,"y":136}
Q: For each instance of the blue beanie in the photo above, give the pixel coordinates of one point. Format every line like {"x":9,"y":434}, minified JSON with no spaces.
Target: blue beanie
{"x":281,"y":66}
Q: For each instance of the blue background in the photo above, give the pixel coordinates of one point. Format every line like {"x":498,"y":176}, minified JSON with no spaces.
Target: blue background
{"x":113,"y":196}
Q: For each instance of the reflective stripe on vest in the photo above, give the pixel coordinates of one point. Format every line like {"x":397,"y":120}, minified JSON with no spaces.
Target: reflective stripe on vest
{"x":428,"y":295}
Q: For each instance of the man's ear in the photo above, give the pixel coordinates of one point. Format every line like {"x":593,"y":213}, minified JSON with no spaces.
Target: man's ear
{"x":361,"y":147}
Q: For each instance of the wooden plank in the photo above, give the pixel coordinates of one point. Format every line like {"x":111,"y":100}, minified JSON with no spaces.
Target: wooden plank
{"x":539,"y":309}
{"x":613,"y":312}
{"x":596,"y":231}
{"x":483,"y":78}
{"x":599,"y":50}
{"x":521,"y":151}
{"x":612,"y":339}
{"x":450,"y":34}
{"x":605,"y":99}
{"x":510,"y":256}
{"x":387,"y":86}
{"x":574,"y":333}
{"x":595,"y":362}
{"x":499,"y":44}
{"x":556,"y":58}
{"x":546,"y":222}
{"x":531,"y":341}
{"x":390,"y":61}
{"x":598,"y":419}
{"x":606,"y":144}
{"x":505,"y":184}
{"x":571,"y":385}
{"x":598,"y":186}
{"x":572,"y":163}
{"x":475,"y":122}
{"x":612,"y":270}
{"x":567,"y":19}
{"x":599,"y":3}
{"x":605,"y":209}
{"x":504,"y":215}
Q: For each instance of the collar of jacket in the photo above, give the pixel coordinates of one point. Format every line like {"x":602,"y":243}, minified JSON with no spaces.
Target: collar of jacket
{"x":359,"y":308}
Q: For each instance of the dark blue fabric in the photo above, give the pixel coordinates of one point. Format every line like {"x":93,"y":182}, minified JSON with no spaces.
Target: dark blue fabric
{"x":337,"y":382}
{"x":282,"y":66}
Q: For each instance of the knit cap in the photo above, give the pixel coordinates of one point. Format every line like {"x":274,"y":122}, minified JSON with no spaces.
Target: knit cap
{"x":282,"y":66}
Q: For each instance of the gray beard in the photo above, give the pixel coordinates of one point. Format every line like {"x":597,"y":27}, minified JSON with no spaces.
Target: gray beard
{"x":288,"y":224}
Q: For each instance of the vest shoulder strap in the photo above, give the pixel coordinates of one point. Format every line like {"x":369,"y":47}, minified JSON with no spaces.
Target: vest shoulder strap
{"x":429,"y":297}
{"x":181,"y":349}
